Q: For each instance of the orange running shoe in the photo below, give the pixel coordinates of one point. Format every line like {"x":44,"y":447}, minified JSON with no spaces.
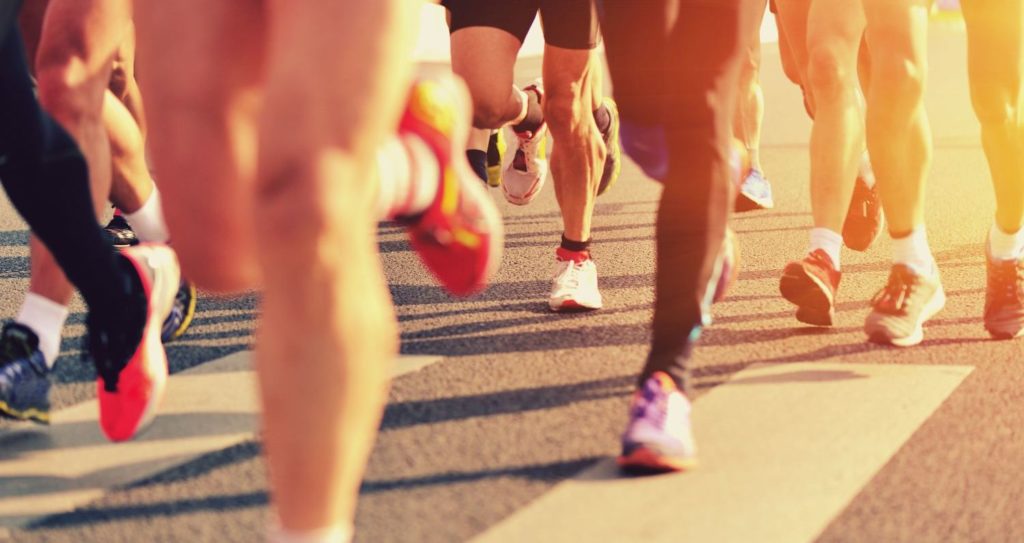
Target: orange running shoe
{"x":129,"y":393}
{"x":460,"y":237}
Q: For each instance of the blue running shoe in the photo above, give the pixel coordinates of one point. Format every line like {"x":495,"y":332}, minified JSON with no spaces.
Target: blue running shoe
{"x":755,"y":193}
{"x":182,"y":312}
{"x":24,"y":376}
{"x":659,"y":437}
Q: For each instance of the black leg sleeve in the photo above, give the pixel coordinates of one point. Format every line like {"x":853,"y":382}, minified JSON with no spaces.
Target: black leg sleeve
{"x":46,"y":178}
{"x":678,"y":61}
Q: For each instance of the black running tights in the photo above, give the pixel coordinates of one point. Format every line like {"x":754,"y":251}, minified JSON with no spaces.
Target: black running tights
{"x":46,"y":178}
{"x":675,"y":63}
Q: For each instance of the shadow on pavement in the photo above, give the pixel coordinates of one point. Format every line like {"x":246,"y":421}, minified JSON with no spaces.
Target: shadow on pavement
{"x":552,"y":471}
{"x":406,"y":414}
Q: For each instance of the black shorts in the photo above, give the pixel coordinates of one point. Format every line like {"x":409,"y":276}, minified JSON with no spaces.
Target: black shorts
{"x":569,"y":24}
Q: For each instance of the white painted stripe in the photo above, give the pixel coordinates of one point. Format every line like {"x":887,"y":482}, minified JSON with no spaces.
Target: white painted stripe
{"x":783,"y":449}
{"x":213,"y":406}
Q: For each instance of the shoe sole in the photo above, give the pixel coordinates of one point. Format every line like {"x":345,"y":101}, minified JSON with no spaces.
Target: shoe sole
{"x":815,"y":305}
{"x":1001,"y":335}
{"x":157,"y":289}
{"x":745,"y":203}
{"x":643,"y":461}
{"x":613,"y":143}
{"x":538,"y":184}
{"x":917,"y":336}
{"x":878,"y":233}
{"x":573,"y":306}
{"x":31,"y":414}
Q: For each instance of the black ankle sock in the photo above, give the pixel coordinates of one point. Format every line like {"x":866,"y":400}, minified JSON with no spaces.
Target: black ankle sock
{"x":478,"y":161}
{"x":603,"y":118}
{"x":575,"y":246}
{"x":534,"y":113}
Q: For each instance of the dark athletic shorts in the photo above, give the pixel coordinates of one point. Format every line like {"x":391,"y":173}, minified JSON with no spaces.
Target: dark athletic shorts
{"x":569,"y":24}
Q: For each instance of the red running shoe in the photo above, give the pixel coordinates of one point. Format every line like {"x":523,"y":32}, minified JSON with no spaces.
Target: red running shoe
{"x":460,"y":237}
{"x":811,"y":285}
{"x":129,"y":396}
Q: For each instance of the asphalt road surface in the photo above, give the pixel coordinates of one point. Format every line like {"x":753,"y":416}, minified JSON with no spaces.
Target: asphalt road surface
{"x":503,"y":430}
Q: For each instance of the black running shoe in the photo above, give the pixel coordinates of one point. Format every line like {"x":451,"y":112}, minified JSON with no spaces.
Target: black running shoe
{"x":120,"y":232}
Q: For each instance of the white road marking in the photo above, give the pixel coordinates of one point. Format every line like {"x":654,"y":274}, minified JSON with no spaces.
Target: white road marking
{"x":44,"y":471}
{"x":783,"y":449}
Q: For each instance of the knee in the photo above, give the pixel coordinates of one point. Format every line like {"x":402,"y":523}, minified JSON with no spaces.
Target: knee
{"x":903,"y":78}
{"x":312,"y":199}
{"x":993,"y":104}
{"x":488,"y":113}
{"x":69,"y":94}
{"x":827,"y":74}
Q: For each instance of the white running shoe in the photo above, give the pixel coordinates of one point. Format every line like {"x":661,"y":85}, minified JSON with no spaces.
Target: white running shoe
{"x":575,"y":285}
{"x":528,"y":171}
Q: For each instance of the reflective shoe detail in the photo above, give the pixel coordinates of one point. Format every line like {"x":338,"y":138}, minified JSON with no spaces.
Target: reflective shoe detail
{"x":496,"y":148}
{"x":647,"y":145}
{"x":864,"y":220}
{"x":613,"y":160}
{"x":24,"y":376}
{"x":526,"y":175}
{"x":730,"y":269}
{"x":182,"y":313}
{"x":460,"y":237}
{"x":754,"y":193}
{"x":658,"y":437}
{"x":1004,"y":298}
{"x":120,"y":232}
{"x":129,"y":393}
{"x":811,"y":285}
{"x":901,"y":308}
{"x":575,"y":284}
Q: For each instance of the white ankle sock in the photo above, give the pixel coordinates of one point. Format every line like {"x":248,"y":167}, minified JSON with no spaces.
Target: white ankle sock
{"x":334,"y":534}
{"x":408,"y":177}
{"x":148,"y":221}
{"x":1003,"y":246}
{"x":913,"y":251}
{"x":828,"y":241}
{"x":864,"y":171}
{"x":46,"y":318}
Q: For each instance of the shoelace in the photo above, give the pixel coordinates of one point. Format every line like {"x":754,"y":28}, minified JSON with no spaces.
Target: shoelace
{"x":651,"y":406}
{"x":893,"y":296}
{"x":571,"y":276}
